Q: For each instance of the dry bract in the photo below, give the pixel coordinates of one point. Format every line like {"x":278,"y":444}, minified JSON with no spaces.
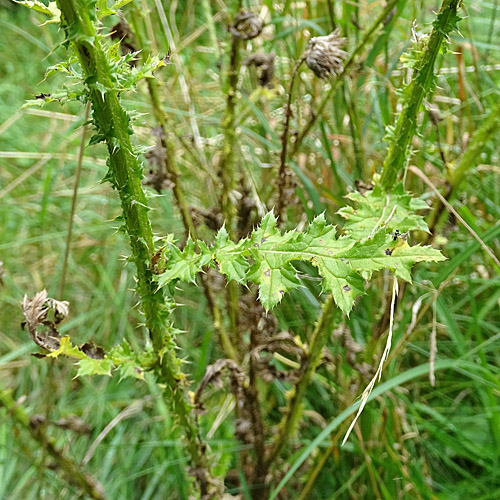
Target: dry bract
{"x":246,"y":26}
{"x":324,"y":55}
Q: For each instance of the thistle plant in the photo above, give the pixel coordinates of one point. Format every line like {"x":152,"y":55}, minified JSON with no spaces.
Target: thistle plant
{"x":375,"y":236}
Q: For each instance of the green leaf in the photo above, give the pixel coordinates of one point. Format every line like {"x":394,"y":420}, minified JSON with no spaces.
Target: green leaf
{"x":50,"y":10}
{"x":229,"y":257}
{"x":126,"y":361}
{"x":371,"y":243}
{"x":104,"y":11}
{"x":381,"y":252}
{"x":182,"y":265}
{"x":66,"y":348}
{"x":376,"y":210}
{"x":91,"y":366}
{"x":273,"y":282}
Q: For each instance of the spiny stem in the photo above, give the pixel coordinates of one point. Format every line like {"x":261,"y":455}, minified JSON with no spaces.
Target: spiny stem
{"x":420,"y":86}
{"x":407,"y":121}
{"x":73,"y":471}
{"x":112,"y":122}
{"x":320,"y":335}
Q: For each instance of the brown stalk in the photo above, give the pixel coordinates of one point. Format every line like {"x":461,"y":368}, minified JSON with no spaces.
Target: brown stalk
{"x":284,"y":145}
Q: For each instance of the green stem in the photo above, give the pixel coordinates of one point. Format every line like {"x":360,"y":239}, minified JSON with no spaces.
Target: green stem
{"x":476,"y":145}
{"x":468,"y":161}
{"x":112,"y":124}
{"x":321,"y":334}
{"x":73,"y":471}
{"x":419,"y":87}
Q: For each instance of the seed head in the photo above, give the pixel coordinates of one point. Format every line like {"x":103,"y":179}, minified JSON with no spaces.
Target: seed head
{"x":325,"y":56}
{"x":246,"y":26}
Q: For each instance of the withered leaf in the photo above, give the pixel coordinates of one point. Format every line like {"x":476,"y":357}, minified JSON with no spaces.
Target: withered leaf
{"x":42,"y":330}
{"x":92,"y":350}
{"x":213,"y":376}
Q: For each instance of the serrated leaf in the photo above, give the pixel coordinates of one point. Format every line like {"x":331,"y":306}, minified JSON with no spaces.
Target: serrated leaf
{"x":103,"y":10}
{"x":91,"y":366}
{"x":181,"y":265}
{"x":273,"y":282}
{"x":66,"y":348}
{"x":266,"y":257}
{"x":229,"y":256}
{"x":62,"y":67}
{"x":50,"y":10}
{"x":376,"y":210}
{"x":126,"y":361}
{"x":379,"y":253}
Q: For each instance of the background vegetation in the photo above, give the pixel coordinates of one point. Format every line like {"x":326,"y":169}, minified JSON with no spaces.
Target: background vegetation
{"x":415,"y":439}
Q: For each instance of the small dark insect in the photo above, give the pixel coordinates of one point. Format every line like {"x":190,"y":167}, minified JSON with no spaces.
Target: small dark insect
{"x":396,"y":234}
{"x":388,"y":251}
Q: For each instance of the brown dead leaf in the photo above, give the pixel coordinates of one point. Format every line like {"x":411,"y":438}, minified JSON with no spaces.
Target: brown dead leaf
{"x":42,"y":329}
{"x":92,"y":350}
{"x":213,"y":376}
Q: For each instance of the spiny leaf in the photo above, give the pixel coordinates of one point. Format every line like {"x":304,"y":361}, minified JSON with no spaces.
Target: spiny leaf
{"x":126,"y":361}
{"x":104,"y":11}
{"x":50,"y":10}
{"x":229,"y":256}
{"x":375,"y":210}
{"x":66,"y":348}
{"x":381,"y":252}
{"x":91,"y":366}
{"x":266,"y":257}
{"x":273,"y":282}
{"x":182,"y":265}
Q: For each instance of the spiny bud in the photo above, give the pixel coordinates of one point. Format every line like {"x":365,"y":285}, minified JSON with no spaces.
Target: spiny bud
{"x":246,"y":26}
{"x":325,"y":56}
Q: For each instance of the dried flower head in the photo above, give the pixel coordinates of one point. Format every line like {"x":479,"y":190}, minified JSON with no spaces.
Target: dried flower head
{"x":246,"y":26}
{"x":265,"y":65}
{"x":325,"y":56}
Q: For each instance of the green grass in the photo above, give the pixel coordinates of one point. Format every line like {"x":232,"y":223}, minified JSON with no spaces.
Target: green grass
{"x":414,"y":440}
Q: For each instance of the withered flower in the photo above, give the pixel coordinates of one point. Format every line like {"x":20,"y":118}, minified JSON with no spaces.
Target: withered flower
{"x":325,"y":56}
{"x":265,"y":65}
{"x":246,"y":26}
